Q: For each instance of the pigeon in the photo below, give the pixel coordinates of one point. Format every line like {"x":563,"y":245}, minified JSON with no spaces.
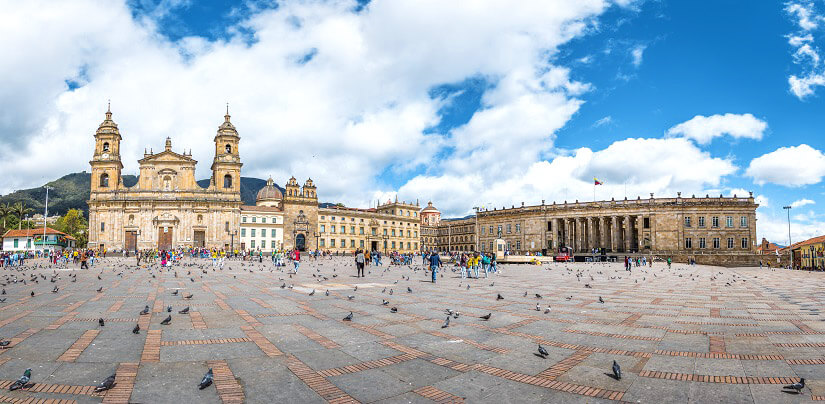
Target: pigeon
{"x":326,"y":293}
{"x":446,"y":322}
{"x":145,"y":311}
{"x":486,"y":317}
{"x":101,"y":322}
{"x":283,"y":285}
{"x":184,"y":311}
{"x":348,"y":317}
{"x":390,"y":291}
{"x":207,"y":380}
{"x":22,"y":381}
{"x":33,"y":292}
{"x":538,"y":296}
{"x":543,"y":352}
{"x":54,"y":290}
{"x":350,"y":297}
{"x":167,"y":320}
{"x":547,"y":310}
{"x":4,"y":292}
{"x":136,"y":330}
{"x":356,"y":288}
{"x":525,"y":294}
{"x":409,"y":290}
{"x":100,"y":289}
{"x":106,"y":384}
{"x":394,"y":310}
{"x":601,"y":300}
{"x":168,"y":309}
{"x":384,"y":302}
{"x":537,"y":307}
{"x":796,"y":386}
{"x":312,"y":293}
{"x":617,"y":371}
{"x":468,"y":287}
{"x":175,"y":293}
{"x":5,"y":343}
{"x":499,"y":297}
{"x":189,"y":296}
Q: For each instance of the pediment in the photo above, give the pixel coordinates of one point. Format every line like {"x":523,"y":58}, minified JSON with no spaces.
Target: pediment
{"x":167,"y":156}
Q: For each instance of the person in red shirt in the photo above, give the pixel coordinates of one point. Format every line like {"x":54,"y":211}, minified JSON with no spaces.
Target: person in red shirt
{"x":296,"y":259}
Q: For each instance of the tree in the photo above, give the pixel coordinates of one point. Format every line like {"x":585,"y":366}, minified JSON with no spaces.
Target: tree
{"x":20,"y":210}
{"x":74,"y":224}
{"x":5,"y":211}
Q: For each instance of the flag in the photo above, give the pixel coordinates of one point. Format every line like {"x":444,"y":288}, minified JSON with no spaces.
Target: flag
{"x":597,"y":182}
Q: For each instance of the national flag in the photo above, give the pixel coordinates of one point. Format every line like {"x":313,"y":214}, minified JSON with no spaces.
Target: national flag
{"x":597,"y":182}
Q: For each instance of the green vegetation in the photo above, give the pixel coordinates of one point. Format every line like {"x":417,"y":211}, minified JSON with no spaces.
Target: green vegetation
{"x":74,"y":224}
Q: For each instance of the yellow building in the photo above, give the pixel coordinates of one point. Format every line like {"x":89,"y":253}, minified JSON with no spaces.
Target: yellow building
{"x":391,"y":227}
{"x":166,"y":208}
{"x":809,"y":254}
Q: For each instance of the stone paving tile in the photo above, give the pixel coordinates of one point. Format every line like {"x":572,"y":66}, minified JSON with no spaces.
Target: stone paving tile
{"x":677,"y":339}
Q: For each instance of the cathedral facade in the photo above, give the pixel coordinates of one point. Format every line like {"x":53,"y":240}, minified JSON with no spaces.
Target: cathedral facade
{"x":166,"y":208}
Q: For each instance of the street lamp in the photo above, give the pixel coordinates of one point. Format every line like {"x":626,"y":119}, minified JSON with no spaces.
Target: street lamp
{"x":790,"y":249}
{"x":45,"y":215}
{"x":385,"y":237}
{"x":232,"y":235}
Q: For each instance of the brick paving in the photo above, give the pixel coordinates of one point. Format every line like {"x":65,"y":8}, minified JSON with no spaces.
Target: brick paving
{"x":676,"y":333}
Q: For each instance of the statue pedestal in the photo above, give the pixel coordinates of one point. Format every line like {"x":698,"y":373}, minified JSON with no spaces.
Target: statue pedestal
{"x":501,"y":245}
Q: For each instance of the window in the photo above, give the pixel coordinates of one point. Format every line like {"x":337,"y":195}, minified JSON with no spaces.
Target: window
{"x":416,"y":234}
{"x":491,"y":230}
{"x":714,"y":221}
{"x":252,"y":232}
{"x":518,"y":228}
{"x":393,"y":245}
{"x":352,"y":230}
{"x":482,"y":229}
{"x":323,"y":228}
{"x":373,"y":232}
{"x":343,"y":242}
{"x":332,"y":228}
{"x":361,"y":231}
{"x":745,"y":243}
{"x":243,"y":219}
{"x":254,"y":219}
{"x":15,"y":243}
{"x":518,"y":245}
{"x":227,"y":181}
{"x":252,"y":243}
{"x":228,"y":149}
{"x":322,"y":217}
{"x":687,"y":221}
{"x":274,"y":233}
{"x":272,"y":244}
{"x":102,"y":226}
{"x":332,"y":218}
{"x":385,"y":232}
{"x":491,"y":246}
{"x":702,"y":243}
{"x":263,"y":233}
{"x":352,"y":243}
{"x":263,"y":220}
{"x":701,"y":221}
{"x":729,"y":221}
{"x":549,"y":226}
{"x":343,"y":229}
{"x":409,"y":233}
{"x":716,"y":242}
{"x":743,"y":221}
{"x":323,"y":242}
{"x":106,"y":146}
{"x":243,"y":232}
{"x":688,"y":243}
{"x":509,"y":228}
{"x":332,"y":242}
{"x":730,"y":242}
{"x":104,"y":180}
{"x":393,"y":232}
{"x":646,"y":223}
{"x":415,"y":245}
{"x":362,"y":243}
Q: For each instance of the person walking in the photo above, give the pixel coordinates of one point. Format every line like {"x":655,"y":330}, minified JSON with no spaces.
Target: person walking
{"x":296,"y":259}
{"x":359,"y":262}
{"x":435,"y":263}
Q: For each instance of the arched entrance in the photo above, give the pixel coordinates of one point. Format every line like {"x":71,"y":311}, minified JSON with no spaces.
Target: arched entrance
{"x":300,"y":242}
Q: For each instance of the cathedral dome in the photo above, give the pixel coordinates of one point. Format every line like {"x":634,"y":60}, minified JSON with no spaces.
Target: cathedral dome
{"x":430,"y":208}
{"x":269,"y":192}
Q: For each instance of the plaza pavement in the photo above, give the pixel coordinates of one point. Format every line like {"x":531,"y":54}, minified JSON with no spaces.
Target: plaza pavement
{"x":680,"y":335}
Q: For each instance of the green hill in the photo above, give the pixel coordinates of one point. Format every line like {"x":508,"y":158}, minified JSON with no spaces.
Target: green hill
{"x":72,"y":191}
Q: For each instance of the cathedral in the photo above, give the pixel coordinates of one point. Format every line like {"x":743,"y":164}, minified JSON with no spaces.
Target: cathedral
{"x":166,"y":208}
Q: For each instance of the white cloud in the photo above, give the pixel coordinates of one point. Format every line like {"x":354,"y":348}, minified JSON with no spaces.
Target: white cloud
{"x":359,"y":107}
{"x":762,"y":201}
{"x":790,"y":166}
{"x":636,"y":53}
{"x":805,"y":86}
{"x":774,"y":227}
{"x":703,"y":129}
{"x":604,"y":121}
{"x":805,"y":54}
{"x":670,"y":166}
{"x":804,"y":13}
{"x":802,"y":202}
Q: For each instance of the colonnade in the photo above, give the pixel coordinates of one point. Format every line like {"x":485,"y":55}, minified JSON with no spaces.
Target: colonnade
{"x":584,"y":234}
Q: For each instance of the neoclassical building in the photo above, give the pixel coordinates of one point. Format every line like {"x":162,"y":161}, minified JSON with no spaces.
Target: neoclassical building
{"x":262,"y":224}
{"x":166,"y":208}
{"x":389,"y":227}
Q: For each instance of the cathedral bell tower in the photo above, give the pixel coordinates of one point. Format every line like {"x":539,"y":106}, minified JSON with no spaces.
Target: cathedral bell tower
{"x":106,"y":164}
{"x":226,"y":168}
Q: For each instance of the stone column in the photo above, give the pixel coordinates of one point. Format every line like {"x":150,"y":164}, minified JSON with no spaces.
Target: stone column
{"x":602,"y":233}
{"x":591,"y":233}
{"x":556,"y":232}
{"x":628,"y":228}
{"x":614,"y":234}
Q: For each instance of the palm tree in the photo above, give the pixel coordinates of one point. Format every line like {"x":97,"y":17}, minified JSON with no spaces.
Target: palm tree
{"x":20,"y":210}
{"x":5,"y":211}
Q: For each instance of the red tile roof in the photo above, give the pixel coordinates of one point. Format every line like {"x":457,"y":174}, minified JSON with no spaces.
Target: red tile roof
{"x":32,"y":232}
{"x":814,"y":240}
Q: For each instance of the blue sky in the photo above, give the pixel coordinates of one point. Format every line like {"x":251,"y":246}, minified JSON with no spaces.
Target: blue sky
{"x":449,"y":102}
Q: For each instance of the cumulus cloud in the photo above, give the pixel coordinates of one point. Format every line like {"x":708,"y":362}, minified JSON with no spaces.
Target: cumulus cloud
{"x":703,"y":129}
{"x":675,"y":165}
{"x":315,"y":88}
{"x":790,"y":166}
{"x":637,"y":53}
{"x":801,"y":203}
{"x":773,"y":225}
{"x":805,"y":52}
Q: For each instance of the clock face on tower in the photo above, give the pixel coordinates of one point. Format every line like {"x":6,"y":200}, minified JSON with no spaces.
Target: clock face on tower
{"x":105,"y":155}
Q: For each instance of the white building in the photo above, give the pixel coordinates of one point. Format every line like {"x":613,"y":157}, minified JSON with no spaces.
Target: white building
{"x":32,"y":239}
{"x":262,"y":225}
